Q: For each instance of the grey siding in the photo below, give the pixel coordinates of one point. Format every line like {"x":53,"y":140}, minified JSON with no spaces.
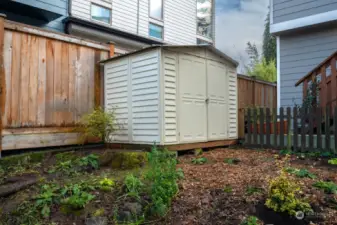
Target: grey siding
{"x":284,"y":10}
{"x":299,"y":54}
{"x":59,"y":7}
{"x":56,"y":6}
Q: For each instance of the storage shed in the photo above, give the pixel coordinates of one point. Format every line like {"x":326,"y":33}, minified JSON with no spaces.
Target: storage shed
{"x":172,"y":95}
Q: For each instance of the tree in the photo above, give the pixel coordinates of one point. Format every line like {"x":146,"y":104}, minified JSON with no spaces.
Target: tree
{"x":269,"y":42}
{"x":264,"y":70}
{"x":253,"y":54}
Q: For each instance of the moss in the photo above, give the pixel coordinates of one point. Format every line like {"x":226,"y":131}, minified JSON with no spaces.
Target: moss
{"x":128,"y":160}
{"x":98,"y":212}
{"x":22,"y":159}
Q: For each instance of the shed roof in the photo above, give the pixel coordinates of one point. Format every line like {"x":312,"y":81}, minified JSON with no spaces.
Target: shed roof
{"x":209,"y":47}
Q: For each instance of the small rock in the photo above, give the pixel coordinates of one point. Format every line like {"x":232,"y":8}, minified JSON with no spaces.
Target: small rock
{"x":96,"y":221}
{"x":134,"y":207}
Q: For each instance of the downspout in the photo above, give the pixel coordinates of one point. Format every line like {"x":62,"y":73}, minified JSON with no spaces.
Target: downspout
{"x":70,"y":7}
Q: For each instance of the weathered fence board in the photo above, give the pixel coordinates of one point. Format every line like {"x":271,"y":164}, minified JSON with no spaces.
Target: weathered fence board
{"x":297,"y":129}
{"x":253,"y":93}
{"x":49,"y":81}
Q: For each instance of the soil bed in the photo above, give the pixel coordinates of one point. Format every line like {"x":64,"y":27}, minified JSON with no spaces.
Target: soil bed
{"x":202,"y":199}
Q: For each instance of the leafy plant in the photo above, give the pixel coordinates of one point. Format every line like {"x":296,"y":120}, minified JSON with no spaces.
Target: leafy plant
{"x":285,"y":152}
{"x":90,"y":160}
{"x":106,"y":184}
{"x":199,"y":161}
{"x":333,"y":161}
{"x":328,"y":187}
{"x":78,"y":200}
{"x":163,"y":177}
{"x":228,"y":189}
{"x":198,"y":152}
{"x":99,"y":124}
{"x":45,"y":199}
{"x":252,"y":190}
{"x":133,"y":184}
{"x":252,"y":220}
{"x":180,"y":174}
{"x":283,"y":196}
{"x":300,"y":172}
{"x":231,"y":161}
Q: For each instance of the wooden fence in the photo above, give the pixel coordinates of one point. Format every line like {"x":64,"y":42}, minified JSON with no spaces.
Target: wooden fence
{"x":253,"y":93}
{"x":48,"y":81}
{"x":301,"y":130}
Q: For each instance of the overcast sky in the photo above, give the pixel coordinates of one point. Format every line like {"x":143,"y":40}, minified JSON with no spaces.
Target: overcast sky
{"x":237,"y":22}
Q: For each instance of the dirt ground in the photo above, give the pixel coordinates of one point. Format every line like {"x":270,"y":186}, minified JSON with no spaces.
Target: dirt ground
{"x":202,"y":199}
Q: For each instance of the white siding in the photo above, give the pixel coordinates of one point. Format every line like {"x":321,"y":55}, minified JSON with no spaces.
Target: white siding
{"x":233,"y":105}
{"x":170,"y":97}
{"x":116,"y":95}
{"x":180,"y":21}
{"x":145,"y":97}
{"x":143,"y":28}
{"x":179,"y":17}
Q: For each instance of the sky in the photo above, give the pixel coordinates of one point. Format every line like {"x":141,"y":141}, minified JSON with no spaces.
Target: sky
{"x":237,"y":22}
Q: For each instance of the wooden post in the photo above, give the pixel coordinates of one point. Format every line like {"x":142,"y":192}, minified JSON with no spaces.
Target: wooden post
{"x":249,"y":127}
{"x":333,"y":82}
{"x":281,"y":128}
{"x":261,"y":128}
{"x":319,"y":128}
{"x":112,"y":49}
{"x":2,"y":74}
{"x":295,"y":110}
{"x":268,"y":124}
{"x":327,"y":129}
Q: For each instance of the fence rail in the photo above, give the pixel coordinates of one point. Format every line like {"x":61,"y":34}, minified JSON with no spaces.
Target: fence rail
{"x":301,"y":130}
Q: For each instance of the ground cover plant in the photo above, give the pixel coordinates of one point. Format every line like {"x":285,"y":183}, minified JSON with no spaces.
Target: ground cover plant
{"x":79,"y":186}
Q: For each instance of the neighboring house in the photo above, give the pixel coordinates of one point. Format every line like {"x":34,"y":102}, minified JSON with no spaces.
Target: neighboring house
{"x":47,"y":14}
{"x":306,"y":33}
{"x":130,"y":24}
{"x":133,"y":24}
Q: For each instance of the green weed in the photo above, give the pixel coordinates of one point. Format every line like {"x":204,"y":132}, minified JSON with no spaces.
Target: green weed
{"x":106,"y":184}
{"x":133,"y":185}
{"x":302,"y":173}
{"x":228,"y":189}
{"x":333,"y":161}
{"x":199,"y":161}
{"x":328,"y":187}
{"x":231,"y":161}
{"x":252,"y":190}
{"x":252,"y":220}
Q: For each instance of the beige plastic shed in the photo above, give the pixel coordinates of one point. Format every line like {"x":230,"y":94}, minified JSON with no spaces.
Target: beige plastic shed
{"x":172,"y":95}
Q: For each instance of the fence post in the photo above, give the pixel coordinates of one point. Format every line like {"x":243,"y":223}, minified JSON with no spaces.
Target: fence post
{"x":249,"y":126}
{"x":319,"y":128}
{"x":281,"y":128}
{"x":268,"y":124}
{"x":2,"y":73}
{"x":335,"y":127}
{"x":261,"y":128}
{"x":327,"y":129}
{"x":295,"y":111}
{"x":303,"y":133}
{"x":112,"y":49}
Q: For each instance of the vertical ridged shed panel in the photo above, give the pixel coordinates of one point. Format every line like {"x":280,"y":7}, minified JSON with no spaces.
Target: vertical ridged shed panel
{"x":170,"y":96}
{"x":116,"y":95}
{"x":145,"y":97}
{"x":232,"y":100}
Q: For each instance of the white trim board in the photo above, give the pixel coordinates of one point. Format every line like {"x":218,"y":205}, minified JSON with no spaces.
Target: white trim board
{"x":278,"y":72}
{"x":304,"y":22}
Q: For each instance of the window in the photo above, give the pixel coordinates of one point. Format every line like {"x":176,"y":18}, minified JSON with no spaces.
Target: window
{"x":100,"y":13}
{"x":156,"y":9}
{"x":156,"y":31}
{"x":204,"y":18}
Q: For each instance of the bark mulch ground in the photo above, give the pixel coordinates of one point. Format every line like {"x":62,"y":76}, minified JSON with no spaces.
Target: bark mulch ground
{"x":219,"y":193}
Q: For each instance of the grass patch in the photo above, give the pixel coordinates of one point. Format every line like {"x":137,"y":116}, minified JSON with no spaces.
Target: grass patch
{"x":250,"y":190}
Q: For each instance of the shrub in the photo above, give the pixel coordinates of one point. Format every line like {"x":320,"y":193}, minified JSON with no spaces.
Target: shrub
{"x":333,"y":161}
{"x":163,"y":177}
{"x":283,"y":196}
{"x":45,"y":199}
{"x":199,"y":161}
{"x":90,"y":160}
{"x":328,"y":187}
{"x":99,"y":124}
{"x":133,"y":185}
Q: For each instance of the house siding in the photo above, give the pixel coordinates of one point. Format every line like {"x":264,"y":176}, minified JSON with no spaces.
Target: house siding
{"x":285,"y":10}
{"x":299,"y":54}
{"x":179,"y":17}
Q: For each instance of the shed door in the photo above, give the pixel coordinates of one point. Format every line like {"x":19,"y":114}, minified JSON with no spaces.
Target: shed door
{"x":217,"y":89}
{"x":192,"y":102}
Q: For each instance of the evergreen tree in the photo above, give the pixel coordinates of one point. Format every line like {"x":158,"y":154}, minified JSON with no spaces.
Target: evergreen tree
{"x":269,"y":42}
